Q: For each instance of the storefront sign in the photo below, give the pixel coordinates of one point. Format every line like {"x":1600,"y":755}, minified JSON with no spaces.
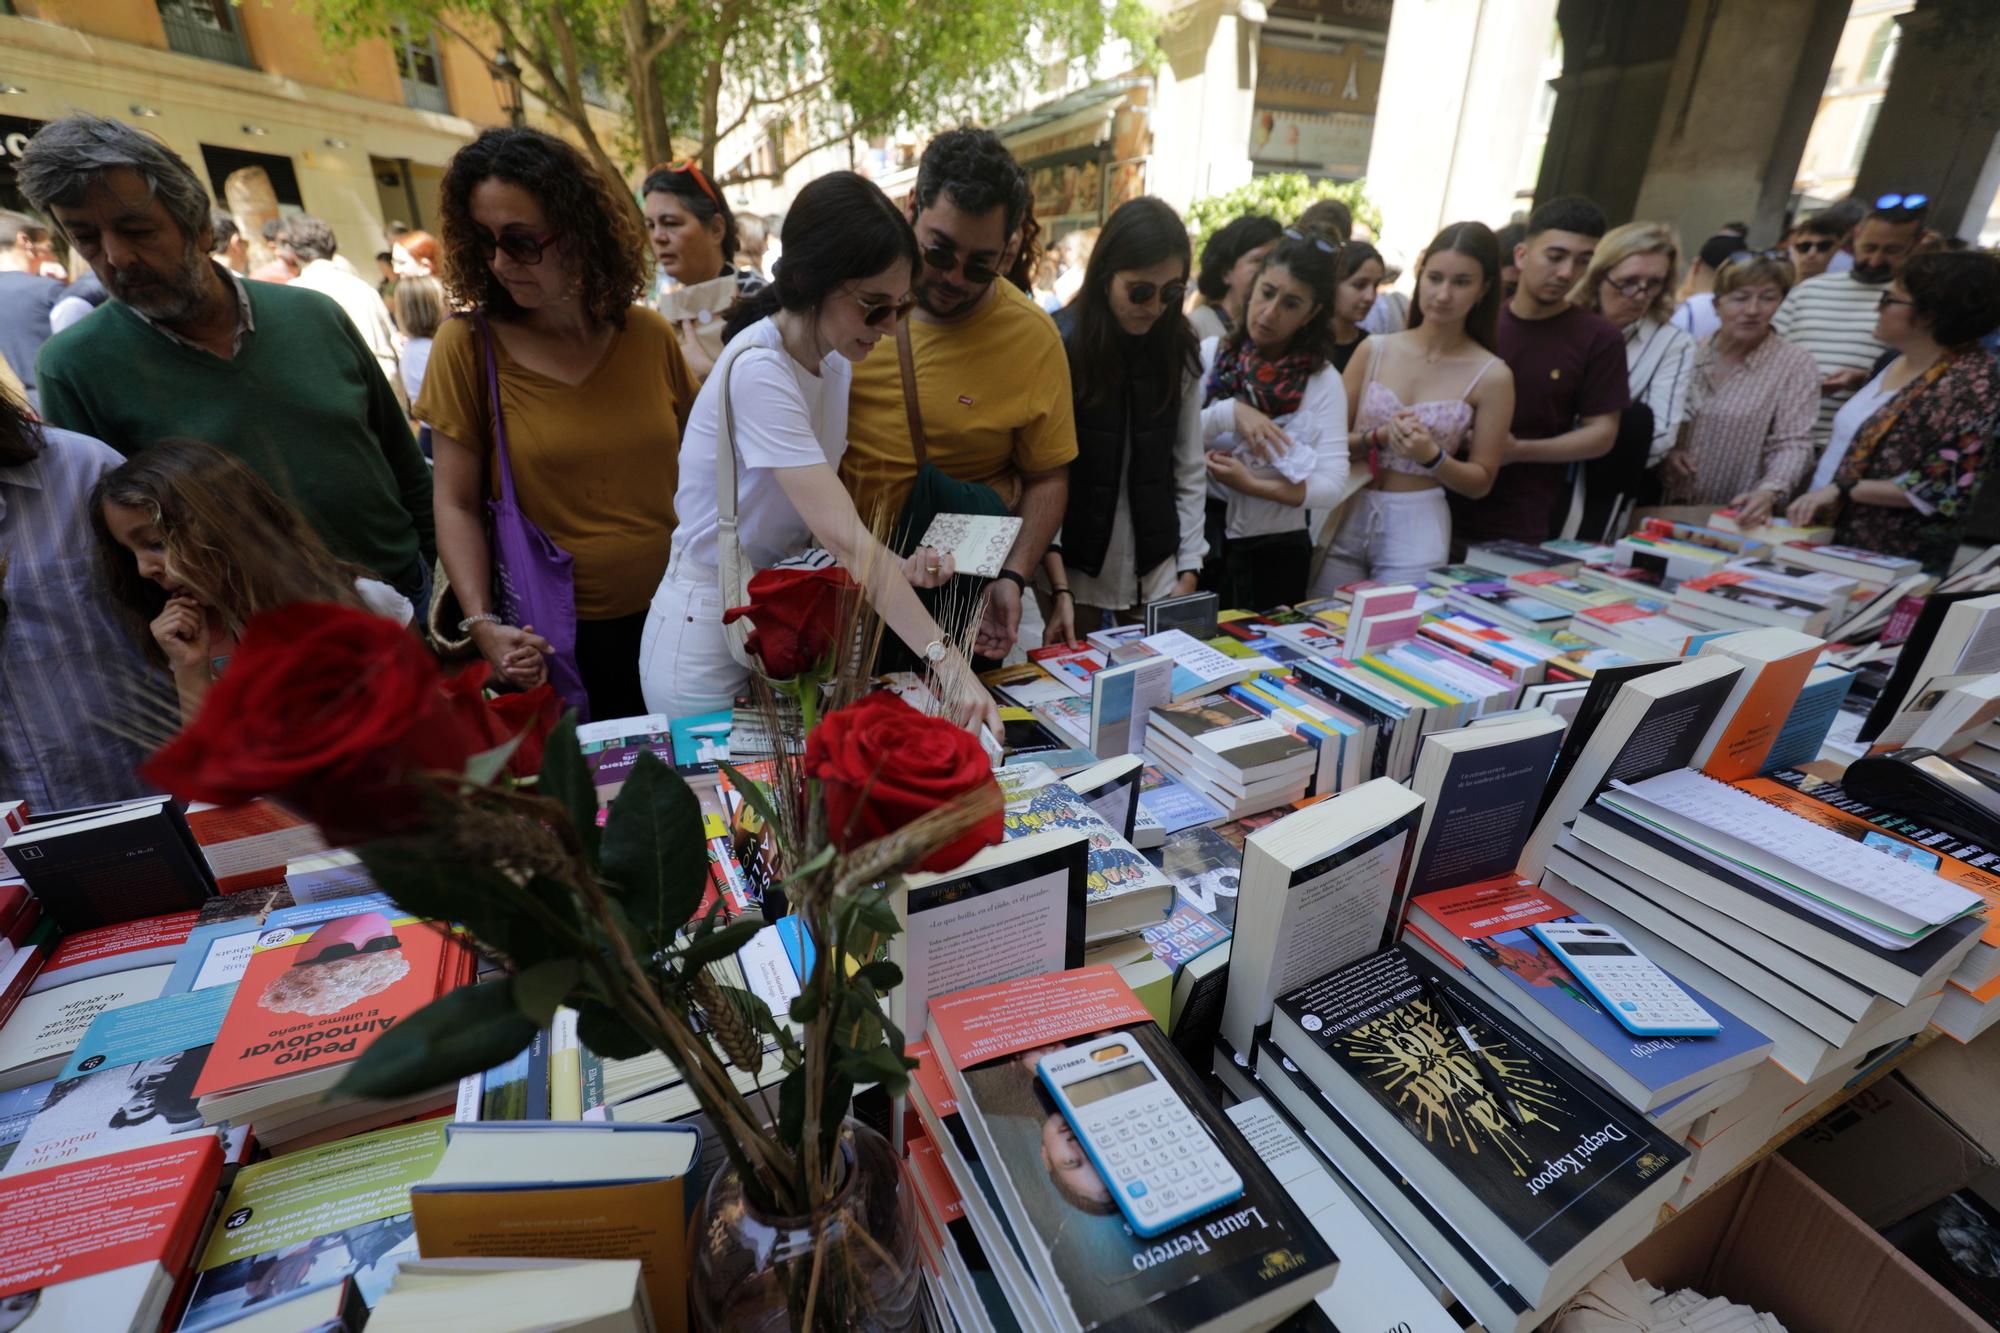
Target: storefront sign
{"x":1372,"y":15}
{"x":1335,"y":144}
{"x":1346,"y":77}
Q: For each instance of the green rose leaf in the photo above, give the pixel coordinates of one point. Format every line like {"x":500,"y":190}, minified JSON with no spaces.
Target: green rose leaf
{"x":758,"y":799}
{"x":466,"y":1031}
{"x":424,"y":878}
{"x":606,"y":1033}
{"x":565,"y":779}
{"x":715,"y":945}
{"x":792,"y":1107}
{"x":654,"y":856}
{"x":538,"y":990}
{"x":882,"y":974}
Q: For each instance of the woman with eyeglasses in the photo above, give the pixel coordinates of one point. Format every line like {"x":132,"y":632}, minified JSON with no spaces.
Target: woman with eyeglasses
{"x":694,"y":240}
{"x":840,"y":288}
{"x":1747,"y":443}
{"x":592,"y":391}
{"x":1429,"y":411}
{"x":1911,"y":450}
{"x":1132,"y":533}
{"x":1630,"y":282}
{"x":1275,"y":422}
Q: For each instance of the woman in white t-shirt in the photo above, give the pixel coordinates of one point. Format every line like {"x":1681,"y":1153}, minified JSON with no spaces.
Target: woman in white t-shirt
{"x":841,"y":286}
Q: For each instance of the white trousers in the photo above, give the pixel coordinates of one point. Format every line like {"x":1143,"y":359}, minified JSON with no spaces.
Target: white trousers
{"x":684,"y":662}
{"x":1387,"y":536}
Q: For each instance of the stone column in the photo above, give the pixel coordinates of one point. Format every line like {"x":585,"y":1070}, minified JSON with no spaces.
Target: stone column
{"x":1938,"y":132}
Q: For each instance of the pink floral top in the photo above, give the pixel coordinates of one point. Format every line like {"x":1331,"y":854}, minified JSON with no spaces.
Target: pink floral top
{"x":1935,"y":439}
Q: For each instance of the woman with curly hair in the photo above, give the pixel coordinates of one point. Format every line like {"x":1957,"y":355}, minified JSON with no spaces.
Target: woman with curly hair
{"x":550,"y":259}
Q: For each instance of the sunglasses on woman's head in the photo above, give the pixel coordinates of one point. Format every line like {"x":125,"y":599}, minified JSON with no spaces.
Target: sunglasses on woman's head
{"x":1326,"y":246}
{"x":516,"y":245}
{"x":944,"y":259}
{"x":877,"y":313}
{"x":687,"y":166}
{"x":1142,"y":293}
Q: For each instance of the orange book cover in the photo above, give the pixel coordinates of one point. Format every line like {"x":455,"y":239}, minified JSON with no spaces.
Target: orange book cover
{"x":248,"y":845}
{"x":1949,"y":868}
{"x":316,"y":996}
{"x":1739,"y":752}
{"x":987,"y":1022}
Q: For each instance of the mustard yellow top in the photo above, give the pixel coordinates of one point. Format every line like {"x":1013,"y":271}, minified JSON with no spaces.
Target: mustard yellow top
{"x":595,"y":464}
{"x":995,"y":397}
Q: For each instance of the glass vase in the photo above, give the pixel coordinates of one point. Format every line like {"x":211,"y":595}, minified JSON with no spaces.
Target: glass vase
{"x":754,"y":1274}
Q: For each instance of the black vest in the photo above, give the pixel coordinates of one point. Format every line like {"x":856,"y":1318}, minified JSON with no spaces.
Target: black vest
{"x":1143,"y":413}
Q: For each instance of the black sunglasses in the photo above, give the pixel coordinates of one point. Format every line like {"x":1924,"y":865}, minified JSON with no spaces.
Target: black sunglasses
{"x":1825,"y":246}
{"x":1326,"y":246}
{"x":875,"y":314}
{"x":944,"y":259}
{"x":1142,"y":293}
{"x":518,"y":245}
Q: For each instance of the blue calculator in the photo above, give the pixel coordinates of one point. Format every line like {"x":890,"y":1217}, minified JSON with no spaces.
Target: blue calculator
{"x":1632,"y":987}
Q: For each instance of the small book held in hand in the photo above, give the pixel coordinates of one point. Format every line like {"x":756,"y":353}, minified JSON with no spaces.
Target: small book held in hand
{"x":977,"y":542}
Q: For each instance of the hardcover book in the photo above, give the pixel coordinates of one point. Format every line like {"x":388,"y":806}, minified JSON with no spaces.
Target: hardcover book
{"x":104,"y":866}
{"x":1540,"y":1178}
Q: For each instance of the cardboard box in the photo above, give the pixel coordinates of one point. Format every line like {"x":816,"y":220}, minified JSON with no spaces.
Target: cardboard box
{"x":1886,"y":1155}
{"x":1959,"y":1082}
{"x":1774,"y":1240}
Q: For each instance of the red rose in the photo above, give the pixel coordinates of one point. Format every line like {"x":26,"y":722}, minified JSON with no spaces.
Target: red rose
{"x":795,"y":616}
{"x":881,"y":763}
{"x":330,"y":710}
{"x":529,"y":714}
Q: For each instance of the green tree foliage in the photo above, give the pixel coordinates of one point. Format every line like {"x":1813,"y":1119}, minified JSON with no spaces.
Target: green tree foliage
{"x":1283,"y":195}
{"x":812,"y":72}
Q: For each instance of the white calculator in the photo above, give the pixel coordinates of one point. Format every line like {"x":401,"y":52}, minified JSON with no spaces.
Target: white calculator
{"x":1631,"y":987}
{"x":1157,"y":1160}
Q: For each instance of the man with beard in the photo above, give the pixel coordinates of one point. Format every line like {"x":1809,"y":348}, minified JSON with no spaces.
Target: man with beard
{"x":1569,"y":381}
{"x":992,"y":379}
{"x":1833,"y":315}
{"x":276,"y":375}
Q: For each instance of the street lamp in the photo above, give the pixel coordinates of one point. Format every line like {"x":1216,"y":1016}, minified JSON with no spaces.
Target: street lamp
{"x":507,"y":85}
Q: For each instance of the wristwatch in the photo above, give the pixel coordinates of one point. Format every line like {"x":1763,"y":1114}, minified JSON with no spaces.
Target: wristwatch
{"x":1844,"y":489}
{"x":937,"y":650}
{"x":1013,"y":578}
{"x":1436,"y":462}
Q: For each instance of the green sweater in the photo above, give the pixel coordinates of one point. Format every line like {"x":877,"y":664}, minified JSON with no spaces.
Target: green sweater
{"x":303,"y":403}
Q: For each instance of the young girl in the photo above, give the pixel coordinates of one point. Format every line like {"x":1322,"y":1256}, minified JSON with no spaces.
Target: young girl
{"x":194,"y":544}
{"x":840,"y":288}
{"x":1415,"y":398}
{"x":1275,"y":423}
{"x":1133,"y":530}
{"x":1361,"y":273}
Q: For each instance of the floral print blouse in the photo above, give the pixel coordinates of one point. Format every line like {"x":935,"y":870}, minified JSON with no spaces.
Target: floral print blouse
{"x":1934,"y":439}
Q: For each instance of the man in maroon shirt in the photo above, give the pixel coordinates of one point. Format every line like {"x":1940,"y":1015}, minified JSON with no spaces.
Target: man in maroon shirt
{"x":1569,"y":381}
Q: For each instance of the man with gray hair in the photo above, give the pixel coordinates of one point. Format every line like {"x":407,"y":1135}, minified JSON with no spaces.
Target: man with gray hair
{"x":307,"y":244}
{"x":275,"y":375}
{"x":26,"y":297}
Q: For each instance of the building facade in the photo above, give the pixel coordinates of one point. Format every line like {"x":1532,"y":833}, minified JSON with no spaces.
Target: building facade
{"x":255,"y":102}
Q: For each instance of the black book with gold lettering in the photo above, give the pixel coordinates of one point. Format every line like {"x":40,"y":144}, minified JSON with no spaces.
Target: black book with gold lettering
{"x":1546,"y":1174}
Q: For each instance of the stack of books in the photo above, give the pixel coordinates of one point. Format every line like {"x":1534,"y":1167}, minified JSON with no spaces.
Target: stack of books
{"x":1230,"y":755}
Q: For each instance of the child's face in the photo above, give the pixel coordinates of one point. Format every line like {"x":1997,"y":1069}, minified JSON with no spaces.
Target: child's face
{"x":1068,"y":1164}
{"x":139,"y":532}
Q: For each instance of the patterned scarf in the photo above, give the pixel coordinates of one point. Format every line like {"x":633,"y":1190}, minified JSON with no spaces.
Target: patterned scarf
{"x":1275,"y":388}
{"x":1854,"y":467}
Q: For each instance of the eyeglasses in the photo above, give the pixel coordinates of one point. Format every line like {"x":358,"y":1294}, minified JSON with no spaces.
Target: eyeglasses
{"x":1888,"y":201}
{"x":1142,"y":293}
{"x":875,"y":314}
{"x":1325,"y":246}
{"x":516,"y":245}
{"x":1820,"y":247}
{"x":1884,"y":301}
{"x":1634,"y":288}
{"x":944,"y":258}
{"x":687,"y":166}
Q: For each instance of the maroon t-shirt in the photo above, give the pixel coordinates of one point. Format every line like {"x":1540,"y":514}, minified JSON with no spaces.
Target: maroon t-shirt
{"x":1566,"y":367}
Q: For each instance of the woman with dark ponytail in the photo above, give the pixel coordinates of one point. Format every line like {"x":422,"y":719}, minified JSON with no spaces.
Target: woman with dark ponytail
{"x":840,"y":287}
{"x":1133,"y":530}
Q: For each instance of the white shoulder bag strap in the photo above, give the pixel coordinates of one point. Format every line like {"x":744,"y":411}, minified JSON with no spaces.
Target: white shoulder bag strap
{"x":729,"y":562}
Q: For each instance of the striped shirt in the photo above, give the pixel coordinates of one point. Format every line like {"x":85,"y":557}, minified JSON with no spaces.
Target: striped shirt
{"x":1751,"y":431}
{"x":68,"y":674}
{"x":1833,"y":317}
{"x":1659,"y":360}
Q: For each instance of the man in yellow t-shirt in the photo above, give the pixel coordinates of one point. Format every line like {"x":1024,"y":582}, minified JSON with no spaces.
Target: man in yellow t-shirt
{"x":992,"y":377}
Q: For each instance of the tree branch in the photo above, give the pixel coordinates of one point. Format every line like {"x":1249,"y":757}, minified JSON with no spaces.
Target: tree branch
{"x":799,"y":93}
{"x":778,"y":173}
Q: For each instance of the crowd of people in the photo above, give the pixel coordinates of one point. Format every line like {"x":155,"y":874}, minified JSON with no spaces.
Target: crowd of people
{"x":189,"y":440}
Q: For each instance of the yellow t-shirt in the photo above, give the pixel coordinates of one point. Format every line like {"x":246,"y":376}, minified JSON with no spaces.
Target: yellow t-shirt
{"x":995,"y":397}
{"x":595,"y":464}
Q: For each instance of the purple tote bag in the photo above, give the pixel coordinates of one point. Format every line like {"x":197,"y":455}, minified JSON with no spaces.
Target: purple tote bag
{"x":533,"y":582}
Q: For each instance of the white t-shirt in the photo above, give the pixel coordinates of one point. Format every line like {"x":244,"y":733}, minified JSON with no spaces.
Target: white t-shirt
{"x":1697,"y":316}
{"x":784,"y":416}
{"x":416,"y":359}
{"x":1318,"y":456}
{"x":1847,"y":422}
